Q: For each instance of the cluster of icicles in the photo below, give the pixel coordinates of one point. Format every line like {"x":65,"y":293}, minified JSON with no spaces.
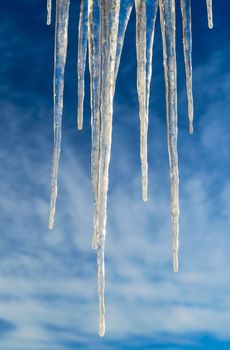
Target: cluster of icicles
{"x":102,"y":27}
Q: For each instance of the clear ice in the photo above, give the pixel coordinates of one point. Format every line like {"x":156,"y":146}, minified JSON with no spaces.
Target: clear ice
{"x":109,"y":14}
{"x":140,"y":6}
{"x":187,"y":45}
{"x":209,"y":10}
{"x":167,"y":19}
{"x":82,"y":52}
{"x":49,"y":11}
{"x":61,"y":39}
{"x":102,"y":27}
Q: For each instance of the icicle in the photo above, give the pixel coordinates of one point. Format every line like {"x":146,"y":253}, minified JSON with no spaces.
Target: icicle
{"x":167,"y":19}
{"x":102,"y":25}
{"x":109,"y":11}
{"x":140,"y":6}
{"x":209,"y":10}
{"x":187,"y":44}
{"x":49,"y":11}
{"x":126,"y":8}
{"x":145,"y":21}
{"x":94,"y":55}
{"x":151,"y":12}
{"x":82,"y":51}
{"x":94,"y":63}
{"x":61,"y":38}
{"x":95,"y":95}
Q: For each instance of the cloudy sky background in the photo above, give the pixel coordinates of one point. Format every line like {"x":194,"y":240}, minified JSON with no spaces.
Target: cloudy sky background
{"x":48,"y":288}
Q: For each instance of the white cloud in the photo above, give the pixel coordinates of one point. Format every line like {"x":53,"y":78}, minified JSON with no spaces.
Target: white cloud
{"x":49,"y":278}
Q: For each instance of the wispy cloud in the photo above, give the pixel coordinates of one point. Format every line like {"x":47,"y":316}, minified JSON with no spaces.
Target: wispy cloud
{"x":48,"y":279}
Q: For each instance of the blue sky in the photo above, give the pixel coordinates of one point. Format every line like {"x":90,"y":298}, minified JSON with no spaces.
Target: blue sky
{"x":48,"y":288}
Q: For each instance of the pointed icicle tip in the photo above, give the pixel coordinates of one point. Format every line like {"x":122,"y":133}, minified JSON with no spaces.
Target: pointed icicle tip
{"x":102,"y":331}
{"x":52,"y":208}
{"x":175,"y":263}
{"x":175,"y":251}
{"x":210,"y":25}
{"x":51,"y":222}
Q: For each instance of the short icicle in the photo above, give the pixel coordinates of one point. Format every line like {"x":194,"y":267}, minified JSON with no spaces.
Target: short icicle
{"x":140,"y":6}
{"x":109,"y":12}
{"x":81,"y":63}
{"x":61,"y":39}
{"x":94,"y":41}
{"x":49,"y":11}
{"x":187,"y":45}
{"x":167,"y":19}
{"x":209,"y":11}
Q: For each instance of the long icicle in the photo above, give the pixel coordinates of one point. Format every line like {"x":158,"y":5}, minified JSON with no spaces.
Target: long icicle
{"x":94,"y":54}
{"x":126,"y":8}
{"x":140,"y":6}
{"x":151,"y":12}
{"x":94,"y":40}
{"x":187,"y":45}
{"x":209,"y":11}
{"x":61,"y":39}
{"x":49,"y":11}
{"x":110,"y":10}
{"x":94,"y":48}
{"x":82,"y":52}
{"x":167,"y":19}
